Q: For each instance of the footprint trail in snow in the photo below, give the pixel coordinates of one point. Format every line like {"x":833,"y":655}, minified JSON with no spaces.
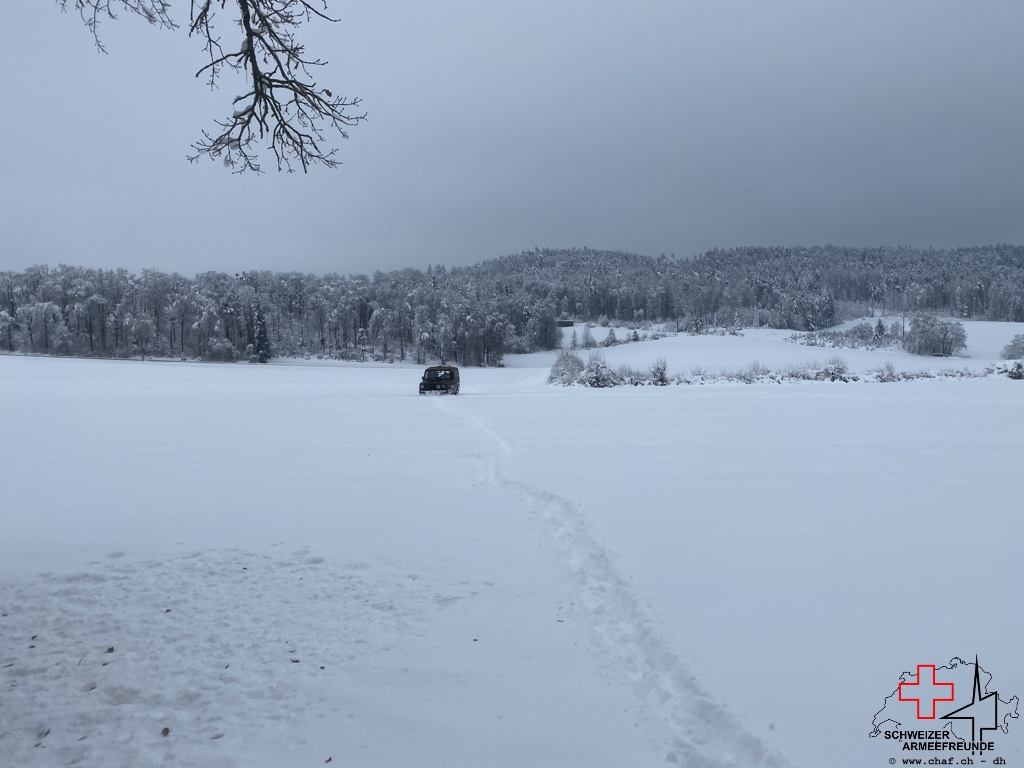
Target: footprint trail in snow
{"x":704,"y":733}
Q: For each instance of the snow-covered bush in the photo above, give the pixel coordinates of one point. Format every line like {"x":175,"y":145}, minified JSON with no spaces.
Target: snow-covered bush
{"x":609,"y":340}
{"x":567,"y":368}
{"x":757,"y":368}
{"x":220,"y":351}
{"x":598,"y":374}
{"x":1015,"y":349}
{"x":603,"y":321}
{"x":865,"y":333}
{"x":886,"y":373}
{"x":804,"y":371}
{"x":659,"y":373}
{"x":630,"y":377}
{"x":588,"y":341}
{"x":570,"y":370}
{"x":861,"y":336}
{"x":836,"y":369}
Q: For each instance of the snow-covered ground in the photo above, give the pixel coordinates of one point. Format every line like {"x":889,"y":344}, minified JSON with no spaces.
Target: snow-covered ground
{"x":768,"y":346}
{"x":301,"y":562}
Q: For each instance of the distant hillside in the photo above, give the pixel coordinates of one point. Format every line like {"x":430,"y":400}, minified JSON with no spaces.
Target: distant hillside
{"x":475,"y":315}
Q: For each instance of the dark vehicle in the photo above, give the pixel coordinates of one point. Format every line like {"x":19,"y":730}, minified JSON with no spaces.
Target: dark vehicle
{"x":440,"y":378}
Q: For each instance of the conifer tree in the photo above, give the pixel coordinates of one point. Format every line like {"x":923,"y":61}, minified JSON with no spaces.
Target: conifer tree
{"x":262,"y":340}
{"x":588,"y":341}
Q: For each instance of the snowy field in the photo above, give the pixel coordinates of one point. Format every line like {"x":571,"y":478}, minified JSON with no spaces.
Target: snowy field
{"x":769,"y":347}
{"x":300,"y":562}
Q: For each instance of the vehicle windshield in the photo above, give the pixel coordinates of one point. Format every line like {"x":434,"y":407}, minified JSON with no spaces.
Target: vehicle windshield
{"x":437,"y":375}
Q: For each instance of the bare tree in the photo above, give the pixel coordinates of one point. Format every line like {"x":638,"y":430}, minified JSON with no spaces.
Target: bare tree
{"x":281,"y":107}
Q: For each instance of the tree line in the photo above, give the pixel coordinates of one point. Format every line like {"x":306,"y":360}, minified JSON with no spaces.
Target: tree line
{"x":475,"y":315}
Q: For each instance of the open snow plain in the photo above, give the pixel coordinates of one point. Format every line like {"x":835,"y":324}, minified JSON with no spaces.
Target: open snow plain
{"x":298,"y":562}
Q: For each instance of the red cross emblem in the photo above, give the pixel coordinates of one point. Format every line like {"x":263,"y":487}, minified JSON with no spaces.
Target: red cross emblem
{"x":926,"y":692}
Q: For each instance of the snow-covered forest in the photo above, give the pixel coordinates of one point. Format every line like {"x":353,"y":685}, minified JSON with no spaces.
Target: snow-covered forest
{"x":475,"y":315}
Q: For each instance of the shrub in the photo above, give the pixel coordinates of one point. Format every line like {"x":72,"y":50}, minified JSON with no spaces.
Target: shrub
{"x":609,"y":340}
{"x":861,"y":335}
{"x":805,"y":371}
{"x":886,"y":373}
{"x":597,"y":374}
{"x":632,"y":377}
{"x":837,"y":364}
{"x":659,"y":372}
{"x":567,"y":368}
{"x":865,"y":333}
{"x":1017,"y":372}
{"x":835,"y":369}
{"x":757,"y":368}
{"x":220,"y":350}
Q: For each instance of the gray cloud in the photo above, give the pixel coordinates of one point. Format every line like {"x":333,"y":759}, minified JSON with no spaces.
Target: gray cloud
{"x":653,"y":127}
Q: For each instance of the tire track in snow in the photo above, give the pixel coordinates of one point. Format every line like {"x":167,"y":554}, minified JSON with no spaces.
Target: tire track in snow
{"x":705,"y":734}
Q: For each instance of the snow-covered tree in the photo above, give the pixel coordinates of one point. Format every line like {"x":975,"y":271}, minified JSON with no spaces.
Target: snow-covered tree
{"x":7,"y":326}
{"x":509,"y":304}
{"x":588,"y":341}
{"x":1012,"y":351}
{"x":929,"y":335}
{"x":659,"y":373}
{"x":262,"y":344}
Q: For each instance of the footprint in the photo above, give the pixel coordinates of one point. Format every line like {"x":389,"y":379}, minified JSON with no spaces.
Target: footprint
{"x":117,"y":696}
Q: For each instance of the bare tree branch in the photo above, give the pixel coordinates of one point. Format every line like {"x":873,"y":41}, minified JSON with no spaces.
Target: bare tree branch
{"x":282,"y":107}
{"x":91,"y":11}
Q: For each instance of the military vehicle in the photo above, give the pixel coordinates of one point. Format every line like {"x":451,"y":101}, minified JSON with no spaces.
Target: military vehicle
{"x":443,"y":379}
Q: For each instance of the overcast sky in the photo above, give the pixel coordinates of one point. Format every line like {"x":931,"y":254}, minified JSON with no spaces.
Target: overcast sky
{"x":652,"y":127}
